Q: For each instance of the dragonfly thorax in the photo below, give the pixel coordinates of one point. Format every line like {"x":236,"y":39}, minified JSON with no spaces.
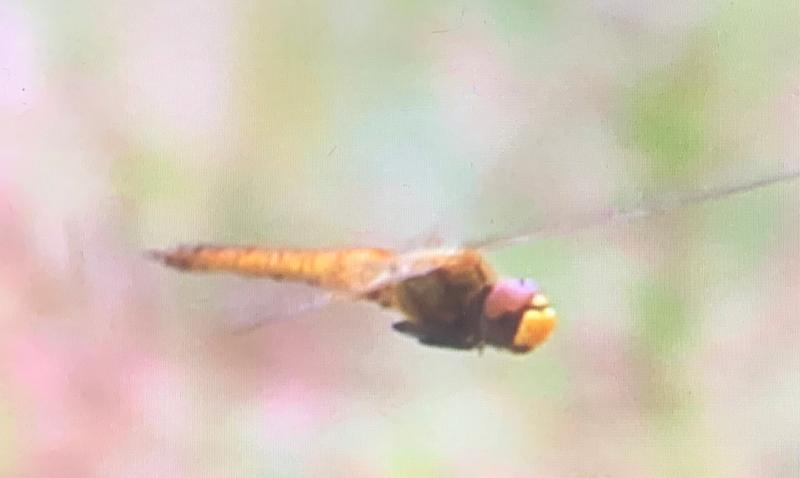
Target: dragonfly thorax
{"x":460,"y":304}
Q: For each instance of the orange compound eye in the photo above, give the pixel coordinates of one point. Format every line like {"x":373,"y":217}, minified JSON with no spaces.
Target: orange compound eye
{"x":534,"y":328}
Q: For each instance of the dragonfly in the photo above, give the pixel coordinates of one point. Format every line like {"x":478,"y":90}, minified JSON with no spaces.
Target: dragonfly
{"x":448,"y":297}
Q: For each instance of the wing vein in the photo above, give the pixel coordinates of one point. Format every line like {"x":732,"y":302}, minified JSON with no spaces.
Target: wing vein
{"x":640,"y":210}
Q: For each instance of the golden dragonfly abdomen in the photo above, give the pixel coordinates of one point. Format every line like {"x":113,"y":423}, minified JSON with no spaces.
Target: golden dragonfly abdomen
{"x":341,"y":270}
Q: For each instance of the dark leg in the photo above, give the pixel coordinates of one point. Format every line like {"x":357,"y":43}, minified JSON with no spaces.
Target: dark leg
{"x":443,"y":336}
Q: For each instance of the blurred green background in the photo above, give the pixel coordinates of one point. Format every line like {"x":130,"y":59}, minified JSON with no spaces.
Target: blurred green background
{"x":128,"y":125}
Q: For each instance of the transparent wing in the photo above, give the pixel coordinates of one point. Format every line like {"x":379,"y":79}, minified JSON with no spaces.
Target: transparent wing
{"x":232,"y":304}
{"x":563,"y":225}
{"x":247,"y":309}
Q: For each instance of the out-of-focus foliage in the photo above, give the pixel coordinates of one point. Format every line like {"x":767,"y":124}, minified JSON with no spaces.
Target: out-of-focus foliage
{"x":127,"y":125}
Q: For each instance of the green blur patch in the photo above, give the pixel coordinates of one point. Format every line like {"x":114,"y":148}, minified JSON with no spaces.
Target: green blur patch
{"x":670,"y":115}
{"x":147,"y":174}
{"x":662,"y":314}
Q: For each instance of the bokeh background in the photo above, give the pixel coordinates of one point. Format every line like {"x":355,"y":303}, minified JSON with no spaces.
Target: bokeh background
{"x":126,"y":125}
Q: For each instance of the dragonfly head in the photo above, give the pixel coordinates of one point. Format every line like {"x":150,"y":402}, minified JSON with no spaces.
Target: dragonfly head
{"x":519,"y":316}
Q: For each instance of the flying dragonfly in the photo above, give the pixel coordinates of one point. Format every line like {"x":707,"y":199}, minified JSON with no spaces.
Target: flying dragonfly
{"x":449,"y":297}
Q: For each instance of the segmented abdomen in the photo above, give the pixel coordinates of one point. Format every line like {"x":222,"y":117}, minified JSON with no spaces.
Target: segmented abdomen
{"x":346,"y":269}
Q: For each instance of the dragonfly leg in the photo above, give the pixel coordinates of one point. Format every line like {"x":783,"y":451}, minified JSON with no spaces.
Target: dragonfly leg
{"x":447,"y":337}
{"x":406,"y":327}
